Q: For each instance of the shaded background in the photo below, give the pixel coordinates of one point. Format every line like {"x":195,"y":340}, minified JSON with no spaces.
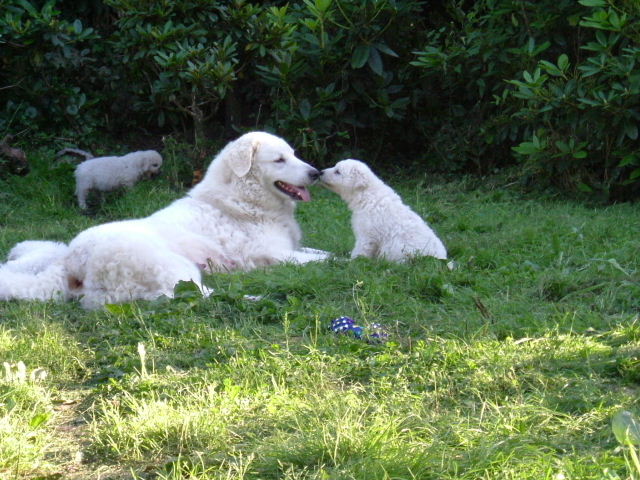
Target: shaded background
{"x":549,"y":87}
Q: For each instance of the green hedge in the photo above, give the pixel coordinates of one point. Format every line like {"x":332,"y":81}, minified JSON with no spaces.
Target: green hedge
{"x":550,"y":86}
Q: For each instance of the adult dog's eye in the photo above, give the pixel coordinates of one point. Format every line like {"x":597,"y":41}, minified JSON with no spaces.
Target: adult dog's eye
{"x":280,"y":160}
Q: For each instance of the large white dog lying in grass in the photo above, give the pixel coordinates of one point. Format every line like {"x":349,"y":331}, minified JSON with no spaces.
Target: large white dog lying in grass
{"x":383,"y":225}
{"x":108,"y":173}
{"x":240,"y":216}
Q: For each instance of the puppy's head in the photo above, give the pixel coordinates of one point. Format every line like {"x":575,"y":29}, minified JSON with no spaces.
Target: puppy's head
{"x":151,"y":162}
{"x":347,"y":178}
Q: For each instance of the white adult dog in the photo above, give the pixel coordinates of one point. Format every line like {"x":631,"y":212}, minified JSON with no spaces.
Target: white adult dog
{"x":241,"y":216}
{"x":383,"y":225}
{"x":108,"y":173}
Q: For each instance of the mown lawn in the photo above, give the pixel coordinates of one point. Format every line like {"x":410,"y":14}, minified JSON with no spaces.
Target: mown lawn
{"x":507,"y":362}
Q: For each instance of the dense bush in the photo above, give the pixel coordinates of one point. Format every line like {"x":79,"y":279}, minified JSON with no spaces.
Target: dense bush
{"x":465,"y":64}
{"x":184,"y":59}
{"x":49,"y":73}
{"x":322,"y":72}
{"x":550,"y":85}
{"x":555,"y":81}
{"x":582,"y":114}
{"x":344,"y":76}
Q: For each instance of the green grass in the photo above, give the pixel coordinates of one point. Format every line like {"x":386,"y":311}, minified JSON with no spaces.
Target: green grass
{"x":506,"y":363}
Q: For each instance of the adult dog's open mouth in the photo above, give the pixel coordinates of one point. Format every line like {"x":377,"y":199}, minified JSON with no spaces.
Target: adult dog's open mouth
{"x":297,"y":193}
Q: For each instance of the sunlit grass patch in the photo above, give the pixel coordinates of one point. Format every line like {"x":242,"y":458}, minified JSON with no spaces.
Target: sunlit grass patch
{"x":25,"y":417}
{"x":506,"y":362}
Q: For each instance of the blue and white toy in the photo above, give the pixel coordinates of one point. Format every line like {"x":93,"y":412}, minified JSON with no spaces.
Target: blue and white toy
{"x":347,"y":325}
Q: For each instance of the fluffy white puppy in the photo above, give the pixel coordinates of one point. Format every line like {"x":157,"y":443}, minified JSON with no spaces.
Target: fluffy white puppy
{"x":383,"y":225}
{"x":108,"y":173}
{"x":240,"y":216}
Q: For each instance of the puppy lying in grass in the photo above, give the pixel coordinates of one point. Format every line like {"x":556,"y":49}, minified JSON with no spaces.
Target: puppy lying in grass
{"x":383,"y":225}
{"x":109,"y":173}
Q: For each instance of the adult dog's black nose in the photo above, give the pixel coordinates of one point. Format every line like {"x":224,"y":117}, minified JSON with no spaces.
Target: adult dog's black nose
{"x":314,"y":174}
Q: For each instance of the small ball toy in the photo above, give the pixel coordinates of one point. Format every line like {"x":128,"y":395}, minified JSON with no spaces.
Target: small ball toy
{"x":378,"y":333}
{"x":347,"y":325}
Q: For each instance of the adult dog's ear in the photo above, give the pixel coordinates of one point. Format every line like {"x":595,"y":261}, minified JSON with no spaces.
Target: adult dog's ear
{"x":241,"y":156}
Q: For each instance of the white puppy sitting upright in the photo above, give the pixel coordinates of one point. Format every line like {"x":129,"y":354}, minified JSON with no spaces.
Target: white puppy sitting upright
{"x":383,"y":225}
{"x":108,"y":173}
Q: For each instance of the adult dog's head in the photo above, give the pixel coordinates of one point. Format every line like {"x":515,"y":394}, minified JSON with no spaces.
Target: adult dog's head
{"x":258,"y":166}
{"x":348,"y":177}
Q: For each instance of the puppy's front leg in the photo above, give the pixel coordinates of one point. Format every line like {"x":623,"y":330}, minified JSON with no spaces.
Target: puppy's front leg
{"x":364,"y":248}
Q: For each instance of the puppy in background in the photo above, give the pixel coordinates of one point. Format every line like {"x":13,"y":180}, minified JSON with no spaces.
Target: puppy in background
{"x":108,"y":173}
{"x":383,"y":225}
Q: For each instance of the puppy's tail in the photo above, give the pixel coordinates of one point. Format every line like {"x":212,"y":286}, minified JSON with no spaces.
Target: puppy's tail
{"x":50,"y":283}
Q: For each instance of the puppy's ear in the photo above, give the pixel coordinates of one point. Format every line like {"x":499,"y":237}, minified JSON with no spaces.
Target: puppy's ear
{"x":242,"y":155}
{"x":359,"y":179}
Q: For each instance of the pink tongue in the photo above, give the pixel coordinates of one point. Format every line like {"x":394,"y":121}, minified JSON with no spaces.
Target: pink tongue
{"x":306,"y":196}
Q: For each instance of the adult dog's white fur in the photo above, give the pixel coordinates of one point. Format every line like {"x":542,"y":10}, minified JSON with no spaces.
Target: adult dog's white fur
{"x":108,"y":173}
{"x":240,"y":216}
{"x":383,"y":225}
{"x":32,"y":267}
{"x":33,"y":256}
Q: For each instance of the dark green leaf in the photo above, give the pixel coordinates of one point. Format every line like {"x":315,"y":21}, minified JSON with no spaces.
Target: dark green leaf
{"x":323,"y":5}
{"x":305,"y":109}
{"x":593,"y":3}
{"x":631,"y":130}
{"x":563,"y":62}
{"x":375,"y":61}
{"x":583,"y":187}
{"x":384,"y":48}
{"x":28,"y":7}
{"x":628,"y":160}
{"x":360,"y":56}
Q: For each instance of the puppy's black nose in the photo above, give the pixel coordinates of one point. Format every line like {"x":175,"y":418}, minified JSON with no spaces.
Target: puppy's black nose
{"x":314,"y":174}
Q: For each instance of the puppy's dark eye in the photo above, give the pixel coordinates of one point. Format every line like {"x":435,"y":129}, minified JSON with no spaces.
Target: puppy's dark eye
{"x":337,"y":172}
{"x":280,"y":160}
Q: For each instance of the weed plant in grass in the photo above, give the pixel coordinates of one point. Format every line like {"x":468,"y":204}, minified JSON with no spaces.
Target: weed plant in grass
{"x":506,"y":362}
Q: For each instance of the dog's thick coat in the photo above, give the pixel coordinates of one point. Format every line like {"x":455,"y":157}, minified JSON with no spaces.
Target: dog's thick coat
{"x":240,"y":216}
{"x":32,"y":267}
{"x":382,"y":224}
{"x":108,"y":173}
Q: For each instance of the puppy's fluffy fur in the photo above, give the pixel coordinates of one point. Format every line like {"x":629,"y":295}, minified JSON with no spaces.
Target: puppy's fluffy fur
{"x":108,"y":173}
{"x":383,"y":225}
